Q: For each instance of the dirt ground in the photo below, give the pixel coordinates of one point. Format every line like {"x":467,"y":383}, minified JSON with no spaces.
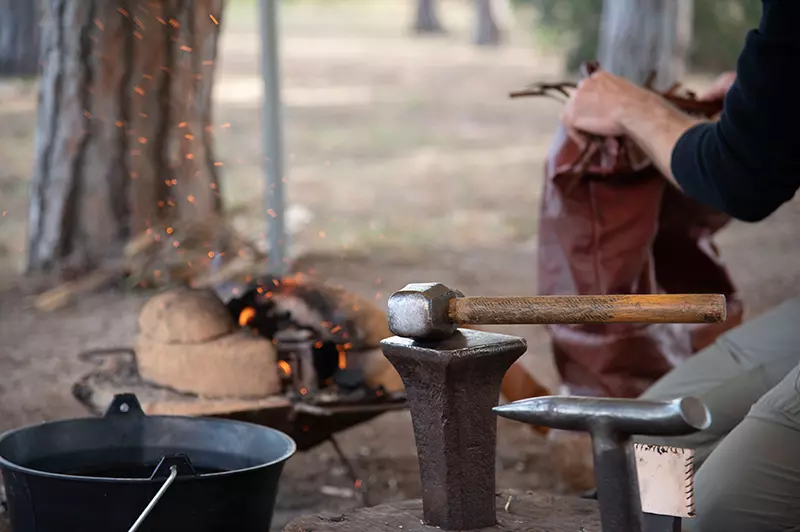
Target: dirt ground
{"x":407,"y":163}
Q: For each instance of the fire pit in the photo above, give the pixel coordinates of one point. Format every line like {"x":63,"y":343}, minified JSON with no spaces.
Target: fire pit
{"x":103,"y":473}
{"x":291,"y":353}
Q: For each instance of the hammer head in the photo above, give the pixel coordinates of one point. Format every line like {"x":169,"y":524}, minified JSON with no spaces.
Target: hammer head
{"x":420,"y":311}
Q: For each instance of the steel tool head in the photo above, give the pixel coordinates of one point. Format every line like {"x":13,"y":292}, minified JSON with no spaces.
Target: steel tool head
{"x":611,"y":423}
{"x":627,"y":416}
{"x":420,"y":311}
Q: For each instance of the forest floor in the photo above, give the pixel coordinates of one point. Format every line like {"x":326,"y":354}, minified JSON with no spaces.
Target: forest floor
{"x":407,"y":162}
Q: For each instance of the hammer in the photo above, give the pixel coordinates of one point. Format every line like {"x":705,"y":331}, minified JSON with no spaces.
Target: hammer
{"x":452,"y":378}
{"x":431,"y":311}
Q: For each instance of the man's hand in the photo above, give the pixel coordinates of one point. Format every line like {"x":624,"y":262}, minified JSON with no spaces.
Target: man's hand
{"x":607,"y":105}
{"x":719,"y":88}
{"x":601,"y":102}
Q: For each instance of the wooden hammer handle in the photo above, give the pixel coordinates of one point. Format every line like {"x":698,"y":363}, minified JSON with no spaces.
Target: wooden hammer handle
{"x":667,"y":308}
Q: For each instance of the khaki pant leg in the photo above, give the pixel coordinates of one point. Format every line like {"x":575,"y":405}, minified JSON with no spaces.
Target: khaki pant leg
{"x":732,"y":374}
{"x":751,"y":482}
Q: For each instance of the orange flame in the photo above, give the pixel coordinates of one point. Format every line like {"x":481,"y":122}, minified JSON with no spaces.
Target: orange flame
{"x":342,"y":359}
{"x":285,"y":368}
{"x":246,"y":316}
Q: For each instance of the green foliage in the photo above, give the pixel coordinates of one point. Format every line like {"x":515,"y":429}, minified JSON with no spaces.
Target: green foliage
{"x":719,"y":29}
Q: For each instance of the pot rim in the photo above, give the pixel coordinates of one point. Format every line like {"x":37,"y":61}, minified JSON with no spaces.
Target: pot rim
{"x":12,"y":466}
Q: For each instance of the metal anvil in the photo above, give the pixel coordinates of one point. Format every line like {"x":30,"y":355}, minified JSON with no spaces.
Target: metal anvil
{"x":452,"y":387}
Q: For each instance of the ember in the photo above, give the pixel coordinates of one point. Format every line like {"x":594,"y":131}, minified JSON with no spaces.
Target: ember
{"x":246,"y":316}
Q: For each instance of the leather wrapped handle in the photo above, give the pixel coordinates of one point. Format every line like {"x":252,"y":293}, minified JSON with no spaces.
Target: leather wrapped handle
{"x":659,"y":308}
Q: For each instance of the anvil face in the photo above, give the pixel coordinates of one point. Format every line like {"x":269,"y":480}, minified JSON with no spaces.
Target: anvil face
{"x":463,"y":344}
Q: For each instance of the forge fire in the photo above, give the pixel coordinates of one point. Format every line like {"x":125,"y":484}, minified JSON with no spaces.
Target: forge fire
{"x":314,"y":329}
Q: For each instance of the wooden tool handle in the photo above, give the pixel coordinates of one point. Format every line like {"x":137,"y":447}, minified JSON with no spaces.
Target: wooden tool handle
{"x":667,"y":308}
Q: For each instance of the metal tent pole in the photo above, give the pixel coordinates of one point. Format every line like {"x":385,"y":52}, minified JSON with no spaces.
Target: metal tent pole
{"x":272,"y":139}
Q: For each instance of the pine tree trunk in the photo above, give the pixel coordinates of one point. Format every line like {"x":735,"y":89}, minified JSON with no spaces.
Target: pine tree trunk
{"x":638,"y":37}
{"x":427,"y":18}
{"x":19,"y":38}
{"x":124,"y":132}
{"x":487,"y":32}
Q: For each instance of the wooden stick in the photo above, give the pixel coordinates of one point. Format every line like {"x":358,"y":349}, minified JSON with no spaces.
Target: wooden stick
{"x":660,"y":308}
{"x":63,"y":295}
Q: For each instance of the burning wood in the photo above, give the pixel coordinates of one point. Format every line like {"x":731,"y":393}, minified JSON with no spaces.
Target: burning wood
{"x":346,"y":329}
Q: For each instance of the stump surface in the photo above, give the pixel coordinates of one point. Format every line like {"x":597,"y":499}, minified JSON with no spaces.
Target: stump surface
{"x":516,"y":512}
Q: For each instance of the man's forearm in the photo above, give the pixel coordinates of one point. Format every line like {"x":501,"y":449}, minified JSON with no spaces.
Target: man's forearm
{"x":656,"y":126}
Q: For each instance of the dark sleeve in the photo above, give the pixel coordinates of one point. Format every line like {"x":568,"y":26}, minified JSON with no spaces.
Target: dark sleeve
{"x":748,"y":163}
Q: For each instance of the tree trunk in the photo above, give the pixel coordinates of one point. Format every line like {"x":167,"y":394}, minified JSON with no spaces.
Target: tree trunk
{"x":427,"y":18}
{"x":124,"y":132}
{"x":487,"y":32}
{"x":19,"y":38}
{"x":638,"y":37}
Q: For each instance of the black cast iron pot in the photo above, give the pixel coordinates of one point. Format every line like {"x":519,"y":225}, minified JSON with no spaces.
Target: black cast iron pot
{"x":99,"y":474}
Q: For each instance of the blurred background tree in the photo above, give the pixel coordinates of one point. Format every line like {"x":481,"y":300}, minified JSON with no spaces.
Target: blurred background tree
{"x":718,"y":33}
{"x":486,"y":32}
{"x":19,"y":38}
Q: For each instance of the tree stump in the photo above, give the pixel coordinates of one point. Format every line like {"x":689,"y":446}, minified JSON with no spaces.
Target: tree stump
{"x":516,"y":512}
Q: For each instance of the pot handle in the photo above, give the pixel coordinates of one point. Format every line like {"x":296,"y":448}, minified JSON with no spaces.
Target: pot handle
{"x":173,"y":474}
{"x":124,"y":404}
{"x":168,"y":462}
